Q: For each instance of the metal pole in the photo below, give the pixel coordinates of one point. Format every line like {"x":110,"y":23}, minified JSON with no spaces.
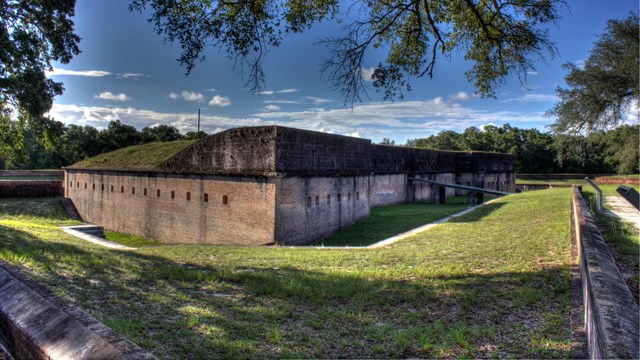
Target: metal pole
{"x":598,"y":193}
{"x":198,"y":120}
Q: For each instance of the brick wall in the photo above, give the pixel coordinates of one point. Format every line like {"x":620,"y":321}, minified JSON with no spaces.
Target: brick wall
{"x":310,"y":209}
{"x":177,"y":208}
{"x":42,"y":173}
{"x":27,"y":188}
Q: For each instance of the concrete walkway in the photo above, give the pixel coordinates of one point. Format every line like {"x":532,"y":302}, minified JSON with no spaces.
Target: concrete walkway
{"x":622,"y":209}
{"x":94,"y":239}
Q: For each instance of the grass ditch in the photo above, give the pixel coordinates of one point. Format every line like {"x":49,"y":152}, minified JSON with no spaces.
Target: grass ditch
{"x":622,"y":237}
{"x":494,"y":283}
{"x":387,"y":221}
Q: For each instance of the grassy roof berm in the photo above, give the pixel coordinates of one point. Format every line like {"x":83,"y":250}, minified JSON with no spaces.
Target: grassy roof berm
{"x":140,"y":157}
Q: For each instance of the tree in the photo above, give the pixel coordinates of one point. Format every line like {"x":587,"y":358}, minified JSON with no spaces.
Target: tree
{"x":118,"y":135}
{"x":601,"y":91}
{"x":195,"y":135}
{"x":622,"y":152}
{"x":160,"y":133}
{"x":444,"y":140}
{"x":387,"y":141}
{"x":33,"y":33}
{"x":499,"y":37}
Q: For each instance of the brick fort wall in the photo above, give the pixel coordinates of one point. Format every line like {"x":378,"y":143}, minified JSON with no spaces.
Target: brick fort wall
{"x":177,"y":208}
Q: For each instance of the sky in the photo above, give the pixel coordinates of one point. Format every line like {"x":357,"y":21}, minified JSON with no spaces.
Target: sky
{"x":128,"y":72}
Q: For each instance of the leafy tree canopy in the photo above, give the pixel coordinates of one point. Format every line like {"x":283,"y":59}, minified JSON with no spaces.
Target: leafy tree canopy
{"x":33,"y":33}
{"x":500,"y":37}
{"x":600,"y":92}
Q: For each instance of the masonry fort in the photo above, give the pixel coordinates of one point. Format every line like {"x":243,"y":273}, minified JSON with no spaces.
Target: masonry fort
{"x":266,"y":185}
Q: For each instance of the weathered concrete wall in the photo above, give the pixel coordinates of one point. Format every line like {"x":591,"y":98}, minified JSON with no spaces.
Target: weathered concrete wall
{"x":177,"y":208}
{"x":388,"y":189}
{"x":611,"y":314}
{"x":245,"y":150}
{"x":28,"y":188}
{"x":271,"y":150}
{"x":37,"y":324}
{"x":311,"y":208}
{"x":312,"y":153}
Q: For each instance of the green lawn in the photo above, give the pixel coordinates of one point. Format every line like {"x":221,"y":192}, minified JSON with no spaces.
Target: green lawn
{"x":494,"y":283}
{"x":551,"y":181}
{"x":388,"y":221}
{"x":130,"y":240}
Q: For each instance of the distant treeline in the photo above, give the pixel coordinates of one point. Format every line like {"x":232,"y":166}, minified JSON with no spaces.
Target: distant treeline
{"x":26,"y":147}
{"x":600,"y":152}
{"x":614,"y":151}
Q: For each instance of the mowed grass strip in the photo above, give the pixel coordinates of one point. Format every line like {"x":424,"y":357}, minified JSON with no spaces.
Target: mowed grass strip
{"x":388,"y":221}
{"x":494,"y":283}
{"x":130,"y":240}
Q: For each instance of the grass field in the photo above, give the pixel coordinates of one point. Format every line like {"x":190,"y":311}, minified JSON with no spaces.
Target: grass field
{"x":494,"y":283}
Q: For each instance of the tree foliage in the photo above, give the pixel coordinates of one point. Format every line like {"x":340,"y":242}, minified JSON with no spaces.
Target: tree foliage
{"x":607,"y":85}
{"x":499,"y":37}
{"x":614,"y":151}
{"x":33,"y":33}
{"x":25,"y":146}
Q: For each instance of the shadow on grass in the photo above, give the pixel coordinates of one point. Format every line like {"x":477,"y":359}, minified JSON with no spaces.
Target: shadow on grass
{"x":184,"y":310}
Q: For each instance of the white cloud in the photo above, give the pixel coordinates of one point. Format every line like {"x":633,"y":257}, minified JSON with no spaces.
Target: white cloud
{"x":281,"y":102}
{"x":532,"y":73}
{"x":272,"y":107}
{"x":266,"y":92}
{"x":187,"y":96}
{"x":317,"y":100}
{"x":108,"y":95}
{"x":288,"y":91}
{"x":400,"y":120}
{"x":192,"y":96}
{"x":135,"y":76}
{"x":460,"y":96}
{"x":89,"y":73}
{"x":99,"y":117}
{"x":220,"y":101}
{"x":211,"y":89}
{"x":407,"y":119}
{"x":530,"y":98}
{"x":367,"y":73}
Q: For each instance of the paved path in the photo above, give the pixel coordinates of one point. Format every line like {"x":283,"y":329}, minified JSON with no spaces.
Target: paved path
{"x":94,"y":239}
{"x":622,"y":209}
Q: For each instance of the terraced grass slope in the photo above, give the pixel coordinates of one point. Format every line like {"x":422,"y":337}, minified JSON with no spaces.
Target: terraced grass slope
{"x":494,"y":283}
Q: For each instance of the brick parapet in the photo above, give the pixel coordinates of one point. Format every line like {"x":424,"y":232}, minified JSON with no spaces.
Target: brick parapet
{"x":30,"y":188}
{"x":37,"y":324}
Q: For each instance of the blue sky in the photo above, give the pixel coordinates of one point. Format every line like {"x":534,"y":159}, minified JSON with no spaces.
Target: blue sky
{"x":127,"y":72}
